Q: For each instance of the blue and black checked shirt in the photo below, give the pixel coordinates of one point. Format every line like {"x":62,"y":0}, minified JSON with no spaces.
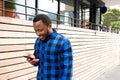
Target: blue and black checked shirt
{"x":55,"y":58}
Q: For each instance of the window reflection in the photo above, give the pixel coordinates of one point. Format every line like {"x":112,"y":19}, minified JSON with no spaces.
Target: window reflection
{"x":30,"y":11}
{"x":84,"y":18}
{"x":67,"y":11}
{"x":24,"y":10}
{"x":20,"y":9}
{"x":48,"y":7}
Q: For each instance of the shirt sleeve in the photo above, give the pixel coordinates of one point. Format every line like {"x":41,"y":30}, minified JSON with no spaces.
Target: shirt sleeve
{"x":36,"y":50}
{"x":67,"y":61}
{"x":36,"y":64}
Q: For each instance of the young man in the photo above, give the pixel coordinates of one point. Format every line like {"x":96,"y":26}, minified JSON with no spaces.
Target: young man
{"x":52,"y":51}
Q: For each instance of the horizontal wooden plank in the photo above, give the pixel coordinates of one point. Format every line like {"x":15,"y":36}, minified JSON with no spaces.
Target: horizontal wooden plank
{"x":76,"y":29}
{"x":95,"y":33}
{"x":33,"y":79}
{"x":26,"y":77}
{"x":76,"y":46}
{"x":81,"y":38}
{"x":13,"y":61}
{"x":16,"y":41}
{"x":81,"y":48}
{"x":15,"y":21}
{"x":12,"y":68}
{"x":73,"y":28}
{"x":63,"y":31}
{"x":17,"y":73}
{"x":14,"y":54}
{"x":85,"y":37}
{"x":16,"y":34}
{"x":11,"y":27}
{"x":89,"y":43}
{"x":15,"y":47}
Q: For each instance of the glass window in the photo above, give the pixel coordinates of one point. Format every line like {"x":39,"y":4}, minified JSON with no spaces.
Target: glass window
{"x":30,"y":9}
{"x":49,"y":7}
{"x":84,"y":17}
{"x":66,"y":10}
{"x":20,"y":10}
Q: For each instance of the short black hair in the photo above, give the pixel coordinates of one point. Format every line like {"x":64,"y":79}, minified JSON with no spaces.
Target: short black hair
{"x":45,"y":19}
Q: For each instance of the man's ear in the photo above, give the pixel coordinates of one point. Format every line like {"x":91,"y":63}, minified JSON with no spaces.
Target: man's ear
{"x":49,"y":26}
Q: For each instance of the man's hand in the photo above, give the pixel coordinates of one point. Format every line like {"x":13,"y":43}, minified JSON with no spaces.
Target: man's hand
{"x":33,"y":60}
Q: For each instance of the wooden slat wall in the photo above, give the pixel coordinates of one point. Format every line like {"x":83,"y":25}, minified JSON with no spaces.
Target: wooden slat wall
{"x":0,"y":8}
{"x":94,"y":52}
{"x":16,"y":39}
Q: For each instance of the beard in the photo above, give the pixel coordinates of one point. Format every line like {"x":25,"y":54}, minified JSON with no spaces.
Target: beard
{"x":44,"y":36}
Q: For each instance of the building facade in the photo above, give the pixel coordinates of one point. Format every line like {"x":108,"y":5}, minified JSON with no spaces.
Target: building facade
{"x":76,"y":13}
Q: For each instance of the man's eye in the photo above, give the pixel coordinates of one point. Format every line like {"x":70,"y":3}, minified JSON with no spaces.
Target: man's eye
{"x":38,"y":30}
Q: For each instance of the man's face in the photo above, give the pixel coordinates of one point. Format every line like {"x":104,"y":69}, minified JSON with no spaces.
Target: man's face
{"x":41,"y":29}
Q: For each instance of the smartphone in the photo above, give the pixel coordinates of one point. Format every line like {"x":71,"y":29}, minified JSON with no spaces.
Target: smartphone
{"x":28,"y":57}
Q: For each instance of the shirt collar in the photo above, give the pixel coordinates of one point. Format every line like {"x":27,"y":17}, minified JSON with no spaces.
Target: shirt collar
{"x":52,"y":35}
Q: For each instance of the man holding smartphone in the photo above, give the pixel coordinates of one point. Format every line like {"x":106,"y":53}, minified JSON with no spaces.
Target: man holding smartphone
{"x":52,"y":51}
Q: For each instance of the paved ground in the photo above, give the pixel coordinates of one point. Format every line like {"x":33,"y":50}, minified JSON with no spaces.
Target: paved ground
{"x":113,"y":75}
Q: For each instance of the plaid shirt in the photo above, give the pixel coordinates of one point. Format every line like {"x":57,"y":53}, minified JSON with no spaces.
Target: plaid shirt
{"x":55,"y":58}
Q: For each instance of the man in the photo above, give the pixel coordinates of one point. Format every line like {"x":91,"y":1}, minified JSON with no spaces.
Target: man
{"x":52,"y":51}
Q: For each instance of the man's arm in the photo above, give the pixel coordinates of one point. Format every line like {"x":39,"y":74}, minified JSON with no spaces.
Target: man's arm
{"x":35,"y":56}
{"x":67,"y":61}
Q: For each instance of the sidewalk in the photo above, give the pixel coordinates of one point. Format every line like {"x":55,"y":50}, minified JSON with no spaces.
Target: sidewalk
{"x":113,"y":75}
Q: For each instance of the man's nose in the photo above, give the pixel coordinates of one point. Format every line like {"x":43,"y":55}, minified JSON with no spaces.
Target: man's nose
{"x":38,"y":33}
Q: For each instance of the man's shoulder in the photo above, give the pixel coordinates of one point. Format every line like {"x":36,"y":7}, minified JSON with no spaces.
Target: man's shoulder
{"x":37,"y":40}
{"x":61,"y":37}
